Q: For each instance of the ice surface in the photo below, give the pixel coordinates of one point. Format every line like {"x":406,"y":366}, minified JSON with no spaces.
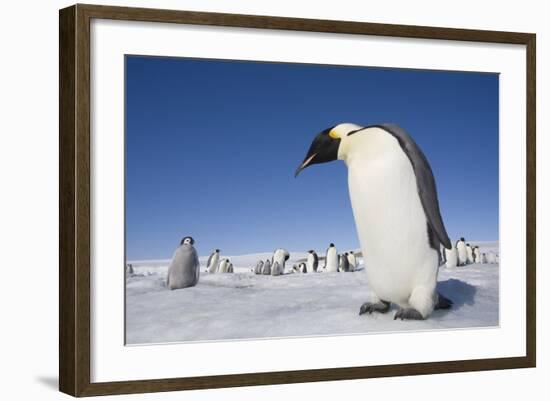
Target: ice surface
{"x":242,"y":305}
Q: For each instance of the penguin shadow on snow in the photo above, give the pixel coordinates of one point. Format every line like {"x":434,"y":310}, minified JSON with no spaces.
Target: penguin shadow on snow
{"x":458,"y":291}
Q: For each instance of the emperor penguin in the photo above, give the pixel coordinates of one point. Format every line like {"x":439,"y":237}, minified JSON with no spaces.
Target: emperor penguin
{"x":213,"y":260}
{"x":451,"y":257}
{"x":462,"y":252}
{"x":302,"y":267}
{"x":352,"y":261}
{"x":266,"y":270}
{"x":483,"y":258}
{"x":280,"y":256}
{"x":230,"y":268}
{"x":395,"y":206}
{"x":276,"y":269}
{"x":223,"y":266}
{"x":331,"y":261}
{"x":343,"y":264}
{"x":129,"y":269}
{"x":312,"y":261}
{"x":469,"y":254}
{"x":477,"y":254}
{"x":258,"y":268}
{"x":491,"y":257}
{"x":184,"y":269}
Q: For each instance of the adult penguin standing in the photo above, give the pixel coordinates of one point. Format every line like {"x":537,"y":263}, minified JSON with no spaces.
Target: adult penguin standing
{"x":280,"y":256}
{"x":331,"y":260}
{"x":395,"y":206}
{"x":184,"y":269}
{"x":213,"y":260}
{"x":462,"y":252}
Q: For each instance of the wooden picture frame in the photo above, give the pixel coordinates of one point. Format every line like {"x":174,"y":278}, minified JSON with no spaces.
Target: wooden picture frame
{"x":74,"y":200}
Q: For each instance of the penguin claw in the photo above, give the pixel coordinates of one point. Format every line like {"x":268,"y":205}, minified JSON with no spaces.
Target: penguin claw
{"x":369,"y":307}
{"x":408,"y":314}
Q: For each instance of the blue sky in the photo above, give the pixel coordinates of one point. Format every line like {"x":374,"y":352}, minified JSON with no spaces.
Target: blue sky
{"x":211,"y":147}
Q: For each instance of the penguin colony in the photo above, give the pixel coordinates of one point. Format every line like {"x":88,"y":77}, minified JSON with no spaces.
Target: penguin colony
{"x":462,"y":254}
{"x":184,"y":269}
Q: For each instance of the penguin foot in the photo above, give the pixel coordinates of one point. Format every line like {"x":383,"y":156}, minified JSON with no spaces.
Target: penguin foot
{"x":369,"y":307}
{"x":408,"y":314}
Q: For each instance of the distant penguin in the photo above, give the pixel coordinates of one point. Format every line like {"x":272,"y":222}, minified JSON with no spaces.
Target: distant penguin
{"x":312,"y":261}
{"x":451,"y":256}
{"x":491,"y":257}
{"x":343,"y":263}
{"x":276,"y":269}
{"x":259,"y":266}
{"x":396,"y":211}
{"x":129,"y":269}
{"x":462,"y":252}
{"x":223,"y":266}
{"x":266,"y":270}
{"x":281,"y":256}
{"x":184,"y":269}
{"x":483,"y":258}
{"x":469,"y":254}
{"x":213,"y":260}
{"x":331,"y":261}
{"x":302,"y":267}
{"x":477,"y":254}
{"x":352,"y":261}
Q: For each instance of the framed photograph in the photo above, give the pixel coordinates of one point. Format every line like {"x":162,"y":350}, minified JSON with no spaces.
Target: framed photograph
{"x":250,"y":200}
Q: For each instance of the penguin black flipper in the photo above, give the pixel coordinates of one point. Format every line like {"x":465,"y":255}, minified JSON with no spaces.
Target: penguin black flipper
{"x":209,"y":259}
{"x":425,"y":181}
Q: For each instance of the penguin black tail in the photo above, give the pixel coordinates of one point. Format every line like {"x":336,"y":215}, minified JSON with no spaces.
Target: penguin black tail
{"x":443,"y":302}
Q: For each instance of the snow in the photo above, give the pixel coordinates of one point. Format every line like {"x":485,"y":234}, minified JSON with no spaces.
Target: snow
{"x":243,"y":305}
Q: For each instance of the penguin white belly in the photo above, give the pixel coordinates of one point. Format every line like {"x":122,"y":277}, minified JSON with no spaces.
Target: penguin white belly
{"x":391,"y":224}
{"x":214,"y":263}
{"x":332,"y":260}
{"x":462,"y":253}
{"x":310,"y":261}
{"x":452,"y":257}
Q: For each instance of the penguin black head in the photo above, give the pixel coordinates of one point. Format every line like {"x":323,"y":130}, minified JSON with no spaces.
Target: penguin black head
{"x":323,"y":149}
{"x":331,"y":244}
{"x":217,"y":251}
{"x":462,"y":239}
{"x":187,"y":241}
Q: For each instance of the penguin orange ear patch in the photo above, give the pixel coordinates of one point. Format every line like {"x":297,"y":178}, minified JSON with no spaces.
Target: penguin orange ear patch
{"x":333,"y":134}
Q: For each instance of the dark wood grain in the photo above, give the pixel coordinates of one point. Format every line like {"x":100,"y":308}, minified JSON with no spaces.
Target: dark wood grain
{"x":531,"y":224}
{"x":67,"y":131}
{"x":74,"y":199}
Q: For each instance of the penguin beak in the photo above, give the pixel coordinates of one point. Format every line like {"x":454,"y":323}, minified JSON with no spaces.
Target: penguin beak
{"x":305,"y":163}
